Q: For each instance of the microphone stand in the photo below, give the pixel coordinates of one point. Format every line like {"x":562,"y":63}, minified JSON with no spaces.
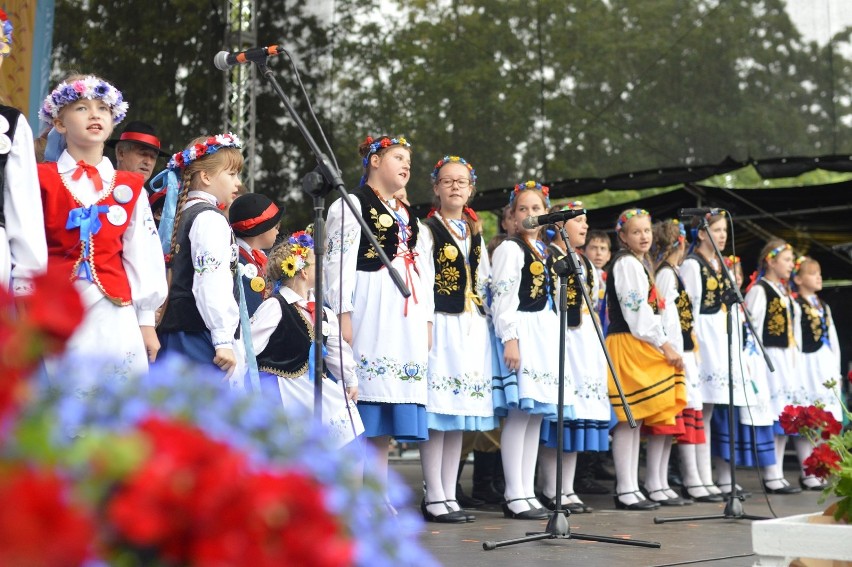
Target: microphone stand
{"x":732,"y":299}
{"x":557,"y":525}
{"x":318,"y":184}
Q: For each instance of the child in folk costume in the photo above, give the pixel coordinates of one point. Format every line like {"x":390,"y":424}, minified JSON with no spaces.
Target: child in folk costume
{"x":254,"y":219}
{"x":282,"y":332}
{"x":648,"y":365}
{"x":598,"y":250}
{"x":668,"y":252}
{"x":585,"y":365}
{"x":99,"y":228}
{"x":389,"y":333}
{"x":702,"y":276}
{"x":23,"y":250}
{"x":775,"y":316}
{"x":820,"y":381}
{"x":201,"y":316}
{"x":525,"y":323}
{"x":754,"y":435}
{"x":459,"y":378}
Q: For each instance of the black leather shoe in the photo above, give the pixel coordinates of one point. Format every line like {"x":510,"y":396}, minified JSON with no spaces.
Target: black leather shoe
{"x":667,"y":500}
{"x":706,"y":498}
{"x":815,"y":487}
{"x":740,"y":491}
{"x":573,"y":507}
{"x":786,"y":489}
{"x":449,"y":517}
{"x":640,"y":505}
{"x":468,"y":516}
{"x":532,"y":514}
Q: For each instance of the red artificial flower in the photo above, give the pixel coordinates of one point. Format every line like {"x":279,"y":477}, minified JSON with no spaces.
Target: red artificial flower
{"x":822,"y":462}
{"x":385,"y":142}
{"x":200,"y":150}
{"x":38,"y":526}
{"x":369,"y":140}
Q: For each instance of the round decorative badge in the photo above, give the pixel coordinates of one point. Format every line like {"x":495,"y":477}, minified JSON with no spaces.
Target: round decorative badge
{"x":4,"y":125}
{"x":116,"y":215}
{"x":249,"y":270}
{"x":536,"y":268}
{"x":326,"y":329}
{"x":451,"y":252}
{"x":257,"y":283}
{"x":712,"y":284}
{"x":122,"y":194}
{"x":5,"y":144}
{"x":385,"y":220}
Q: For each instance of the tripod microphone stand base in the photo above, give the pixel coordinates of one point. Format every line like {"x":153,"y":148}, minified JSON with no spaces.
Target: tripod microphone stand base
{"x":733,"y":511}
{"x":558,"y":528}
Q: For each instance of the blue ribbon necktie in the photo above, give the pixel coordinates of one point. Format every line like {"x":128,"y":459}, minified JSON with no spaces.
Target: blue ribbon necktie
{"x":89,"y":223}
{"x":311,"y":359}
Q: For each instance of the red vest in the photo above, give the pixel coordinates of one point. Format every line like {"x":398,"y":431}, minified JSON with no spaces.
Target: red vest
{"x":64,"y":248}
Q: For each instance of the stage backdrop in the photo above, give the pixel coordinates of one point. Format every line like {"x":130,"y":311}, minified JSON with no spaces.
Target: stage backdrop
{"x":25,"y":74}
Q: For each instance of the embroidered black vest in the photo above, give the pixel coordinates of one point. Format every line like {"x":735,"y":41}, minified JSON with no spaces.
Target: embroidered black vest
{"x":776,"y":323}
{"x":11,"y":115}
{"x":617,"y":322}
{"x":684,"y":310}
{"x":573,"y":296}
{"x":451,"y":269}
{"x":287,"y":353}
{"x":181,"y":312}
{"x":385,"y":229}
{"x":535,"y":280}
{"x":814,"y":327}
{"x":253,"y":298}
{"x":712,"y":286}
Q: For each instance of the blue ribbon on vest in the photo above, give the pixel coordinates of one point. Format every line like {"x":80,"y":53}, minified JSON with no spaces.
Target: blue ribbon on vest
{"x":311,"y":352}
{"x":87,"y":220}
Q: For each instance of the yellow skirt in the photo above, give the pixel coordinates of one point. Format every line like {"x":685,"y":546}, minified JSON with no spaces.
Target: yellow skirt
{"x":654,"y":389}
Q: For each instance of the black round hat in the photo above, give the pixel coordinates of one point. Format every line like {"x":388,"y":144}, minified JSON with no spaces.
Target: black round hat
{"x":253,"y":214}
{"x":140,"y":133}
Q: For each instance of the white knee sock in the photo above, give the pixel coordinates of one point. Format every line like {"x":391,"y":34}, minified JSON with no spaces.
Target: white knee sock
{"x":532,"y":441}
{"x":702,"y":451}
{"x":622,"y":456}
{"x":654,"y":462}
{"x":569,"y":469}
{"x":547,"y":471}
{"x":450,"y":463}
{"x":431,"y":454}
{"x":688,"y":465}
{"x":512,"y":448}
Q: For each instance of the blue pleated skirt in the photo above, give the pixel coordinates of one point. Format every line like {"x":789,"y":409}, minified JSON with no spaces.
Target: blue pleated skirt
{"x":446,"y":422}
{"x":579,"y":435}
{"x":404,"y":422}
{"x":197,"y":346}
{"x":761,"y":441}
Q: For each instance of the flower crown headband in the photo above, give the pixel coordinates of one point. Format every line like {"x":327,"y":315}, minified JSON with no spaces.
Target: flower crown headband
{"x":731,"y":261}
{"x":627,"y":215}
{"x":375,"y":146}
{"x":301,"y":243}
{"x":89,"y":87}
{"x":531,"y":186}
{"x":211,"y":145}
{"x":5,"y":34}
{"x":798,"y":264}
{"x":777,"y":250}
{"x":453,"y":159}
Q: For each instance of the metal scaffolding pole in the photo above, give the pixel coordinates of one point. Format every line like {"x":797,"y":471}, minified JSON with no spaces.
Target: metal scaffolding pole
{"x":240,"y":84}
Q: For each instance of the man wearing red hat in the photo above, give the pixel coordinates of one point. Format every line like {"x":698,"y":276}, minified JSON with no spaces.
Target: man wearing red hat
{"x":137,"y":149}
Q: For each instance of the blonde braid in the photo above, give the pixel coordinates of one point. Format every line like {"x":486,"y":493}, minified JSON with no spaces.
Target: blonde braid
{"x":184,"y":191}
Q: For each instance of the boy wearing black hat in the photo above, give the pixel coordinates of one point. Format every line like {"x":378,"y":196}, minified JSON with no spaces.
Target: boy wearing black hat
{"x":254,"y":219}
{"x":137,"y":149}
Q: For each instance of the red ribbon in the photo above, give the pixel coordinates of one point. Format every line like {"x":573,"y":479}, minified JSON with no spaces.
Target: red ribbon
{"x":471,"y":213}
{"x":91,"y":172}
{"x":259,"y":259}
{"x":139,"y":137}
{"x":247,"y":224}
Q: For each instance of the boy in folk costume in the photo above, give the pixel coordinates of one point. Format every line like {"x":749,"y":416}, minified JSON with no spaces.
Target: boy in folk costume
{"x":254,"y":219}
{"x":23,"y":250}
{"x":99,"y":228}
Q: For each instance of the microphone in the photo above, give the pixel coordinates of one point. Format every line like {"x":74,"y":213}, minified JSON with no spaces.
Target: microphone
{"x":224,"y":60}
{"x":699,"y":212}
{"x":533,"y":222}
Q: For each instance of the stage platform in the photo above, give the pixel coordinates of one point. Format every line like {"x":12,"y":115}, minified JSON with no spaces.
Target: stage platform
{"x":720,"y":543}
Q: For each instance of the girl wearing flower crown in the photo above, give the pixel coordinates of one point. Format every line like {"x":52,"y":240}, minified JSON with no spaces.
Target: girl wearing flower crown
{"x":282,"y":332}
{"x":648,"y":365}
{"x":459,"y":378}
{"x":23,"y":250}
{"x":525,"y":323}
{"x":775,"y":316}
{"x":99,"y":227}
{"x":201,"y":315}
{"x":586,"y":367}
{"x":668,"y":251}
{"x":820,"y":352}
{"x":388,"y":332}
{"x":702,"y":276}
